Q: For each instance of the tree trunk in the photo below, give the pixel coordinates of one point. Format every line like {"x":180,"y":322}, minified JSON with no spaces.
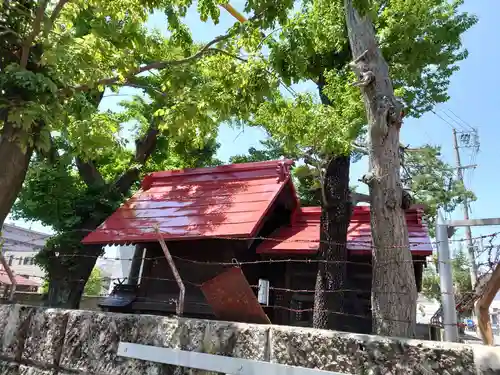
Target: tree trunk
{"x":335,"y":219}
{"x":14,"y":161}
{"x":394,"y":292}
{"x":489,"y":291}
{"x":66,"y":288}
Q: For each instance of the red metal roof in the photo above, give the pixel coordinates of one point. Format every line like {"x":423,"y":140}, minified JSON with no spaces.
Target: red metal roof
{"x":4,"y":279}
{"x":225,"y":201}
{"x":302,"y":236}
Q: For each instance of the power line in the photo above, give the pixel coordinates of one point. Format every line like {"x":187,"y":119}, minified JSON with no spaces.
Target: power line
{"x":456,"y":122}
{"x":460,"y":119}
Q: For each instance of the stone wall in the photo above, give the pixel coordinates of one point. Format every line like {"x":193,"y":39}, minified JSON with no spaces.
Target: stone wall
{"x":36,"y":299}
{"x":38,"y":341}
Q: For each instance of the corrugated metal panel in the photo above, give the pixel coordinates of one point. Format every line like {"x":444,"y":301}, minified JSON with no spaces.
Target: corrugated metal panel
{"x":302,"y":237}
{"x":230,"y":201}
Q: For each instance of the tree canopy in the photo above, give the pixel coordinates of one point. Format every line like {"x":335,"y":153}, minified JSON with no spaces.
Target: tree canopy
{"x":85,"y":166}
{"x":461,"y":277}
{"x":311,"y":44}
{"x":58,"y":58}
{"x":433,"y":182}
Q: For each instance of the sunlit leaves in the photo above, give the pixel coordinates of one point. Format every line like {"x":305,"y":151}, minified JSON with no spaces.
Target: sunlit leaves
{"x":433,"y":182}
{"x":461,"y":277}
{"x":49,"y":194}
{"x":301,"y":122}
{"x":423,"y":51}
{"x":90,"y":135}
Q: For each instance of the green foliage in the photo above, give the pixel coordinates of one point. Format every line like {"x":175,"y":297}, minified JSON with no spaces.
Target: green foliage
{"x":173,"y":123}
{"x":461,"y":277}
{"x":306,"y":183}
{"x":300,"y":122}
{"x":433,"y":183}
{"x":272,"y":150}
{"x":93,"y":45}
{"x":55,"y":195}
{"x":90,"y":45}
{"x":93,"y":287}
{"x":419,"y":39}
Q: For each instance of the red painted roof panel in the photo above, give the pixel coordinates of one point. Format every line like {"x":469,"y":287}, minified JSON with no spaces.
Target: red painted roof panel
{"x":302,"y":236}
{"x":226,"y":201}
{"x":22,"y":281}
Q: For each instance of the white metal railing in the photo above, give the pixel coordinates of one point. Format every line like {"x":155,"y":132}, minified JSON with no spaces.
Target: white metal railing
{"x":210,"y":362}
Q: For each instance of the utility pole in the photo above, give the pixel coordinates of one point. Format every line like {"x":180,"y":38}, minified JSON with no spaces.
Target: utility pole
{"x":468,"y":233}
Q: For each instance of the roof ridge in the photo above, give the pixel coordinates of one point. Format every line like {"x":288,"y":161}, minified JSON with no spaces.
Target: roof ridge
{"x":14,"y":226}
{"x":221,"y":168}
{"x":228,"y":168}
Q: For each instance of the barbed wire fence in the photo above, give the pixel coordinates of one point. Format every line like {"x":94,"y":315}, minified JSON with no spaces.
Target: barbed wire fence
{"x":488,"y":257}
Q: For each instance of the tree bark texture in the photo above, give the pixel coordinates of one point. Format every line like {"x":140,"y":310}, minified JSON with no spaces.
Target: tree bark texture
{"x":394,"y":292}
{"x":15,"y":156}
{"x":335,"y":218}
{"x":66,"y":288}
{"x":489,"y":291}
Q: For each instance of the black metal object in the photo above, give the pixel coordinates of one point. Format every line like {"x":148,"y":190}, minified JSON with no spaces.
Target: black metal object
{"x":121,"y":298}
{"x":135,"y":266}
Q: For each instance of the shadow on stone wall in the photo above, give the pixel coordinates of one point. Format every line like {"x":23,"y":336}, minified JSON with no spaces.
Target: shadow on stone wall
{"x":39,"y":341}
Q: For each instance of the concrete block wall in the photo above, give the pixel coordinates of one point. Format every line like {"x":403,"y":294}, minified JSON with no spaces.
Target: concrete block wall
{"x":38,"y":341}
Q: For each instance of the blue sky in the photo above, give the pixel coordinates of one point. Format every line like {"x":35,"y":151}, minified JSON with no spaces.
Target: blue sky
{"x":474,"y":98}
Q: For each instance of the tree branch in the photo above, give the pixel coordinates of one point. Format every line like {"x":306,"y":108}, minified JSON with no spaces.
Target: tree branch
{"x":161,"y":64}
{"x":52,"y":154}
{"x":359,"y":148}
{"x":144,"y":147}
{"x":9,"y":31}
{"x":34,"y":33}
{"x":89,"y":173}
{"x":137,"y":86}
{"x":58,"y":8}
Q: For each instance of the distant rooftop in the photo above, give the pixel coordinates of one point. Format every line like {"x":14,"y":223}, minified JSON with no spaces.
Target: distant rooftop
{"x":14,"y":227}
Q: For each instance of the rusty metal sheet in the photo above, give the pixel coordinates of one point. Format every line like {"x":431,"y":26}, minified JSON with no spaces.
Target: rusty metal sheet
{"x":232,"y":299}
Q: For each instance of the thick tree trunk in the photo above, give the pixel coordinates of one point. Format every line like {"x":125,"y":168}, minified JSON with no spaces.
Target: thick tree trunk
{"x":335,"y":219}
{"x":66,"y":286}
{"x":394,"y":292}
{"x":14,"y":161}
{"x":67,"y":293}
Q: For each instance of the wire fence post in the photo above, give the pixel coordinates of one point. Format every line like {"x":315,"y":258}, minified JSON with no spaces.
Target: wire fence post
{"x":10,"y":274}
{"x":8,"y":270}
{"x":182,"y":289}
{"x":446,"y":283}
